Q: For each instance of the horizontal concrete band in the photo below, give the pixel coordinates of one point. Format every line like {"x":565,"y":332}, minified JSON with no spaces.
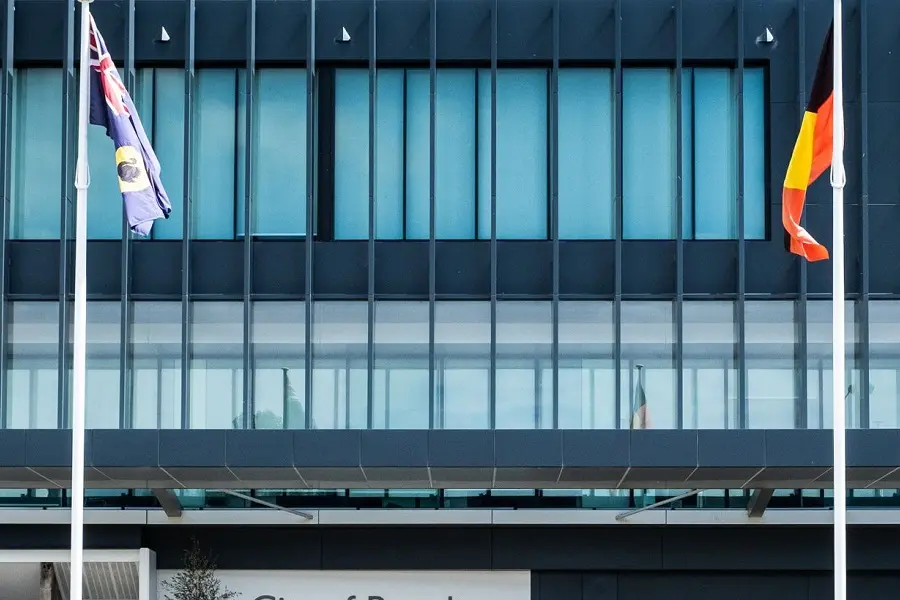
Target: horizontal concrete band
{"x":486,"y":517}
{"x":445,"y":459}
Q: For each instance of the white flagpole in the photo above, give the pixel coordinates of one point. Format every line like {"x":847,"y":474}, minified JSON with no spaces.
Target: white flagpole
{"x":82,"y":182}
{"x":838,"y":179}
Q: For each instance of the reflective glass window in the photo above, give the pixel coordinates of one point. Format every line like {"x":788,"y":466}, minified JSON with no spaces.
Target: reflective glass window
{"x":340,"y":370}
{"x":37,"y":145}
{"x":400,"y":394}
{"x":772,"y":364}
{"x":32,"y":377}
{"x":279,"y":373}
{"x":524,"y":375}
{"x":217,"y":367}
{"x":710,"y":366}
{"x":587,"y":382}
{"x":648,"y":365}
{"x":462,"y":340}
{"x":156,"y":365}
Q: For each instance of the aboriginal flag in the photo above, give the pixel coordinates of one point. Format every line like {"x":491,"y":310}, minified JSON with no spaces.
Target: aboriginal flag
{"x":812,"y":155}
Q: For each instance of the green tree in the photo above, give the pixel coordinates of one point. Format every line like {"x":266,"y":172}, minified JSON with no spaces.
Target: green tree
{"x":197,"y":580}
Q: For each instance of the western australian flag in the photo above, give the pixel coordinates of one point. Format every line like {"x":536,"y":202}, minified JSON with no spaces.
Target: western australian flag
{"x":138,"y":168}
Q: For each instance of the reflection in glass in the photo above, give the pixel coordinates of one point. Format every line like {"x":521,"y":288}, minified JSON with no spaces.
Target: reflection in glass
{"x":340,"y":375}
{"x":524,"y":376}
{"x":772,"y":365}
{"x":400,"y":395}
{"x":279,"y":374}
{"x":710,"y":373}
{"x":884,"y":367}
{"x":103,"y":342}
{"x":37,"y":137}
{"x":217,"y":374}
{"x":585,"y":159}
{"x":648,"y":154}
{"x":32,"y":377}
{"x":648,"y":335}
{"x":820,"y":398}
{"x":521,"y":153}
{"x":462,"y":346}
{"x":587,"y":383}
{"x":218,"y":147}
{"x":156,"y":364}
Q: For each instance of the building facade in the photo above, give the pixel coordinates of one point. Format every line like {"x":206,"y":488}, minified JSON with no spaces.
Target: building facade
{"x":428,"y":254}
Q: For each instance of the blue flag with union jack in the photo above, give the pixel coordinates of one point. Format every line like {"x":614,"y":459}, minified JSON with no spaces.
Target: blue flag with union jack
{"x":137,"y":166}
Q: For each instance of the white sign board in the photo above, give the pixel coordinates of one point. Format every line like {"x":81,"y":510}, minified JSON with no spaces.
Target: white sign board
{"x":373,"y":585}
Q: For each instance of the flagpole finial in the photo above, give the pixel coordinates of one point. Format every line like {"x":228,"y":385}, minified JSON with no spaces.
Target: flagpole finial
{"x":638,"y":366}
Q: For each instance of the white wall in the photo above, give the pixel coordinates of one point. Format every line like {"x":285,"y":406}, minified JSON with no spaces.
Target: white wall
{"x":19,"y":581}
{"x":372,"y":585}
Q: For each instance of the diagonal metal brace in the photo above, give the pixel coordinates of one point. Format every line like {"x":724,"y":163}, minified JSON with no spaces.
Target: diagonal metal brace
{"x":625,"y":515}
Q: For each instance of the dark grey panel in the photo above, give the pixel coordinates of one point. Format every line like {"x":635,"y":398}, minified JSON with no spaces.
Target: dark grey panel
{"x":461,"y":448}
{"x":111,"y":18}
{"x":124,"y":448}
{"x":648,"y":267}
{"x":217,"y":268}
{"x":239,"y":547}
{"x":760,"y":548}
{"x":395,"y":448}
{"x":413,"y":548}
{"x":104,"y":270}
{"x":587,"y":30}
{"x":156,"y":268}
{"x":463,"y":268}
{"x":42,"y":537}
{"x":710,"y":30}
{"x":798,"y":448}
{"x":504,"y":458}
{"x":648,"y":30}
{"x":464,"y":30}
{"x":696,"y":586}
{"x":587,"y":268}
{"x":192,"y":448}
{"x":279,"y":267}
{"x":884,"y":245}
{"x":556,"y":586}
{"x":525,"y":30}
{"x":571,"y":548}
{"x":524,"y":268}
{"x":664,"y":448}
{"x":330,"y":18}
{"x":599,"y":587}
{"x":221,"y":31}
{"x":401,"y":269}
{"x":51,"y":447}
{"x":818,"y":220}
{"x":284,"y":27}
{"x":883,"y":34}
{"x":581,"y":448}
{"x":744,"y":448}
{"x":150,"y":16}
{"x":326,"y":448}
{"x":45,"y":22}
{"x":770,"y":268}
{"x":259,"y":448}
{"x":461,"y":456}
{"x":514,"y":448}
{"x":710,"y":267}
{"x":403,"y":28}
{"x":33,"y":268}
{"x":12,"y":448}
{"x":873,"y":447}
{"x":340,"y":267}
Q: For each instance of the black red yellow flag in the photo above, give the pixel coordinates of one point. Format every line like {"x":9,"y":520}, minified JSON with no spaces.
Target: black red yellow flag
{"x":812,"y":155}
